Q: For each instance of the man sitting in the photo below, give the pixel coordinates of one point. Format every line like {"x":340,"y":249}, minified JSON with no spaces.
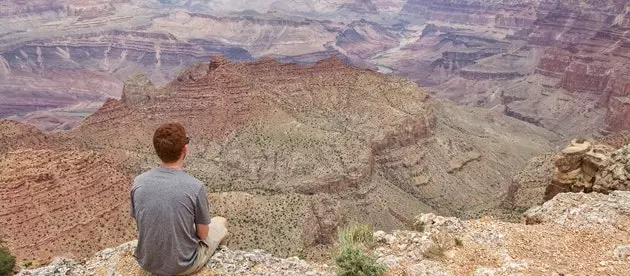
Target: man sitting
{"x":176,"y":234}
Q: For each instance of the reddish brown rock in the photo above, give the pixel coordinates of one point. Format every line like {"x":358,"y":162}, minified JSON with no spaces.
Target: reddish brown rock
{"x":62,"y":203}
{"x":14,"y":135}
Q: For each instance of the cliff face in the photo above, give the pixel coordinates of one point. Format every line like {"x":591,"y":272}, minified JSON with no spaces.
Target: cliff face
{"x":289,"y":153}
{"x":571,"y":234}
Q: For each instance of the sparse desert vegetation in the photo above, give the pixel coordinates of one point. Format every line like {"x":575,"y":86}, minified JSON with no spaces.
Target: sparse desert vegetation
{"x":354,"y":258}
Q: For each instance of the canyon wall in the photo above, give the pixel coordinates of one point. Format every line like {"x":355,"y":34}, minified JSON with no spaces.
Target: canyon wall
{"x":288,"y":152}
{"x":557,"y":64}
{"x":552,"y":63}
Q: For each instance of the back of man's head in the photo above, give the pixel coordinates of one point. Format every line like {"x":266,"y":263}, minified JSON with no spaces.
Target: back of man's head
{"x":169,"y":141}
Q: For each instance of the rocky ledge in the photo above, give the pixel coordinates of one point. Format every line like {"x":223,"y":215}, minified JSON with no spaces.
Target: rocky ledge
{"x":586,"y":166}
{"x":574,"y":233}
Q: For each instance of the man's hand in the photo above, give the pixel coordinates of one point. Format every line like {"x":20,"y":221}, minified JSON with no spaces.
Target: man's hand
{"x":202,"y":231}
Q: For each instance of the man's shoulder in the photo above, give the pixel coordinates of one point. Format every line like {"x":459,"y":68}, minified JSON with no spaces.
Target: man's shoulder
{"x":180,"y":177}
{"x":191,"y":180}
{"x":142,"y":177}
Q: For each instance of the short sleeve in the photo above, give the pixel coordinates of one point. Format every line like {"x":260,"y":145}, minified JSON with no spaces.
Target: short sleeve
{"x":202,"y":212}
{"x":133,"y":209}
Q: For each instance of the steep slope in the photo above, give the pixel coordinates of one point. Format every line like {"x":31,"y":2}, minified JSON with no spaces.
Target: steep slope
{"x":316,"y":146}
{"x":62,"y":203}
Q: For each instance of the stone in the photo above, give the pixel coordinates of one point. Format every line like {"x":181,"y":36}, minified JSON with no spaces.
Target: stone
{"x":621,"y":252}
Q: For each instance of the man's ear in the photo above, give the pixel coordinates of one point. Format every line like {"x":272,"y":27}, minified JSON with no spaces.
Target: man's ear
{"x":184,"y":152}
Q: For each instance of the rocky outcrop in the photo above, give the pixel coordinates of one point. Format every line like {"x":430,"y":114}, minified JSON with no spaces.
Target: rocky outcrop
{"x":594,"y":211}
{"x":587,"y":167}
{"x":120,"y":261}
{"x":137,"y":90}
{"x":573,"y":233}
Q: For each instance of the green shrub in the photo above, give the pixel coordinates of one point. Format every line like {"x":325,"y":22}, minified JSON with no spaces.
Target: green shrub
{"x":7,"y":261}
{"x":361,"y":235}
{"x":352,"y":261}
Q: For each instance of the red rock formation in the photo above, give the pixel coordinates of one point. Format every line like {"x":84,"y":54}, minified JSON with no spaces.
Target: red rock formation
{"x":573,"y":51}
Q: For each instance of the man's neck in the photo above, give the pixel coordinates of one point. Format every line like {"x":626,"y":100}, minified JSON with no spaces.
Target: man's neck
{"x":176,"y":165}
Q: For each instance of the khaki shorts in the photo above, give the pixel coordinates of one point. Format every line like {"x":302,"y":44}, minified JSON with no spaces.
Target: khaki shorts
{"x":206,"y":248}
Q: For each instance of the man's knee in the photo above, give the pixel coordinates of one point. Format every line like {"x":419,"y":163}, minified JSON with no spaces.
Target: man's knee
{"x":220,"y":220}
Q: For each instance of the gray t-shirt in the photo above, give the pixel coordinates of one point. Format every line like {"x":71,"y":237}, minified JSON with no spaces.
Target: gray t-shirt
{"x":166,"y":204}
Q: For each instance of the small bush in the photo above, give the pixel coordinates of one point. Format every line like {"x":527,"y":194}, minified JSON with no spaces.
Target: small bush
{"x":7,"y":261}
{"x":352,"y":261}
{"x":361,"y":235}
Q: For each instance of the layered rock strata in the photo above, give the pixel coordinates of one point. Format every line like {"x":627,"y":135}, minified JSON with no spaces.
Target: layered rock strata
{"x":62,"y":203}
{"x":557,"y":64}
{"x":45,"y":61}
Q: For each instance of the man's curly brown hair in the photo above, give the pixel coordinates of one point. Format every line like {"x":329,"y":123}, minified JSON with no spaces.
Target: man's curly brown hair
{"x":169,"y":141}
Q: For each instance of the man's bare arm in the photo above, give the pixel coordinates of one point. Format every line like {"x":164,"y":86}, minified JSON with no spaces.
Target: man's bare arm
{"x":202,"y":230}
